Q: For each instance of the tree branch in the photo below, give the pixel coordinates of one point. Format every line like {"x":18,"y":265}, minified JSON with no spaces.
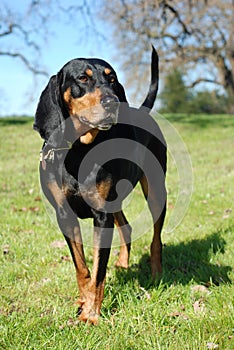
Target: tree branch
{"x":25,"y":61}
{"x":203,"y":80}
{"x":26,"y":37}
{"x":176,"y":14}
{"x":25,"y":34}
{"x":8,"y":31}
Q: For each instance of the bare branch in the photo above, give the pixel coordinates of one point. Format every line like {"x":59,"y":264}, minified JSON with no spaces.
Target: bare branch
{"x":177,"y":15}
{"x":23,"y":26}
{"x":203,"y":80}
{"x":7,"y":32}
{"x":188,"y":34}
{"x":26,"y":35}
{"x":25,"y":61}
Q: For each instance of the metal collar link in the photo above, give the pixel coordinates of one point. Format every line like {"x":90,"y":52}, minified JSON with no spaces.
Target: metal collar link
{"x":51,"y":152}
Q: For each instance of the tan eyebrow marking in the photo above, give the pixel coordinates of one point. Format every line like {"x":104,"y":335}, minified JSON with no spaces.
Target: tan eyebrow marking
{"x":107,"y":71}
{"x":89,"y":72}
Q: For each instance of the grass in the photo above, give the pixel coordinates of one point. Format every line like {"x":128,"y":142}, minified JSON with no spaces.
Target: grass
{"x":190,"y":308}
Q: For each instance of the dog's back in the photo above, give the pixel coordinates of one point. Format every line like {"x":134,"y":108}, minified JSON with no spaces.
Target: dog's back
{"x":96,"y":150}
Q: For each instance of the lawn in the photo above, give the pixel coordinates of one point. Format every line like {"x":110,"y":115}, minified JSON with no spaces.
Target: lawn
{"x":191,"y":307}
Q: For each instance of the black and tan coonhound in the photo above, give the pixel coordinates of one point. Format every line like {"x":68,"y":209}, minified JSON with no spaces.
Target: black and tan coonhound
{"x":93,"y":140}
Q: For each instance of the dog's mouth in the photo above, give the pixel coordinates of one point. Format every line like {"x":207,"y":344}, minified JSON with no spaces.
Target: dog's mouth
{"x":104,"y":125}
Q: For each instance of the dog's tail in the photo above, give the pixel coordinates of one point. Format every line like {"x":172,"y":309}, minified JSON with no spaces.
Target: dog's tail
{"x":153,"y":89}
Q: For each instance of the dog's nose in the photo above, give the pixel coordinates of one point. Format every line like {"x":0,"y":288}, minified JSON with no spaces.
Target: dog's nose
{"x":110,"y":103}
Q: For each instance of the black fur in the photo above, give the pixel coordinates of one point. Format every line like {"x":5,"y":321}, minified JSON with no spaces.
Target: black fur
{"x":62,"y":170}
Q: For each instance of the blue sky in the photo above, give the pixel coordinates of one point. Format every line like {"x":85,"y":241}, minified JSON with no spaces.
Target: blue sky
{"x":19,"y":90}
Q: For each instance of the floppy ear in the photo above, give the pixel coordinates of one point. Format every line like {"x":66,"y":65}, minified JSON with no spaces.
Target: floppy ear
{"x":119,"y":90}
{"x":49,"y":119}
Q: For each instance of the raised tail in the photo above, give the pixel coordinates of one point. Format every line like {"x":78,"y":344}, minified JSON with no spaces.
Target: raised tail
{"x":153,"y":89}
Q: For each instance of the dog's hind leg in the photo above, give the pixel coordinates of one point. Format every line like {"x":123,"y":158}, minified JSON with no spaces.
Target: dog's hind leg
{"x":125,"y":239}
{"x":157,"y":206}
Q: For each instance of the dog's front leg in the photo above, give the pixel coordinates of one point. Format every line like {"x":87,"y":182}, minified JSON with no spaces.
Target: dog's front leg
{"x":70,"y":227}
{"x":103,"y":234}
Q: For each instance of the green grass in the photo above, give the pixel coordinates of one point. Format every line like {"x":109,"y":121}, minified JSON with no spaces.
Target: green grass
{"x":38,"y":287}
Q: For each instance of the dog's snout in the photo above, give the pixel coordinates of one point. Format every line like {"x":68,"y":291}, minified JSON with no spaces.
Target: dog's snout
{"x":110,"y":102}
{"x":109,"y":120}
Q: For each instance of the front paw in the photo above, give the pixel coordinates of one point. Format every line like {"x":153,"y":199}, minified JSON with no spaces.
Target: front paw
{"x":86,"y":313}
{"x":88,"y":316}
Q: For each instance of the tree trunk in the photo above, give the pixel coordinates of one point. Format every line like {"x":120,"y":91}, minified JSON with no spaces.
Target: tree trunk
{"x":227,"y":78}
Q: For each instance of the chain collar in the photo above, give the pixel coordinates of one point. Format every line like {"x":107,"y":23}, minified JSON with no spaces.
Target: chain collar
{"x":49,"y":156}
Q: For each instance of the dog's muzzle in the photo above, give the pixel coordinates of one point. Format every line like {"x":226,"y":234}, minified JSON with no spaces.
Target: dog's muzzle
{"x":110,"y":104}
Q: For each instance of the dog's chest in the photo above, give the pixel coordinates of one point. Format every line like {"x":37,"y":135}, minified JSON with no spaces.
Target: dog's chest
{"x":98,"y":176}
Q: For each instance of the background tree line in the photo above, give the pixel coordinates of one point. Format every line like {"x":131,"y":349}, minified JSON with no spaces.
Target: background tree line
{"x":176,"y":97}
{"x":194,"y":38}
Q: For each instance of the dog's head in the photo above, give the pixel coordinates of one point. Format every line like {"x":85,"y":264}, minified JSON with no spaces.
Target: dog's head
{"x":87,"y":92}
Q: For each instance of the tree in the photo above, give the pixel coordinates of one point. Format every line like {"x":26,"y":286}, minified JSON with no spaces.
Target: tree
{"x":209,"y":102}
{"x":197,"y":34}
{"x":24,"y":29}
{"x":175,"y":96}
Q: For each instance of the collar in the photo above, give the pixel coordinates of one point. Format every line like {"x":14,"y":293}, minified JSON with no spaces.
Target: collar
{"x":49,"y":156}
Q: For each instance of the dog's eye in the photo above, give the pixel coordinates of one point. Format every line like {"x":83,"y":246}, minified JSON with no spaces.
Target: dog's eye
{"x":83,"y":78}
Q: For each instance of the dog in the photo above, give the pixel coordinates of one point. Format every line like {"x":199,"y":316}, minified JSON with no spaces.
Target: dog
{"x":96,"y":149}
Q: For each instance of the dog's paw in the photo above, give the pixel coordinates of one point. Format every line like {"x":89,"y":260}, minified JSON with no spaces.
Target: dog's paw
{"x":121,"y":263}
{"x":90,"y":316}
{"x":87,"y":313}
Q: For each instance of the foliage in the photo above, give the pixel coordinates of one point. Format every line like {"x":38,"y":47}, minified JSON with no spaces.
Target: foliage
{"x":209,"y":102}
{"x":176,"y":97}
{"x":190,"y":308}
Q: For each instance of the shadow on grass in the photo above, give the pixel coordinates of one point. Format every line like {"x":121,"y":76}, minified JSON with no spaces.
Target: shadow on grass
{"x":7,"y":121}
{"x":182,"y":263}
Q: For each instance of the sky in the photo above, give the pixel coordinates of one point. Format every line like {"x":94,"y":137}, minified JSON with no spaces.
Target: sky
{"x":19,"y":89}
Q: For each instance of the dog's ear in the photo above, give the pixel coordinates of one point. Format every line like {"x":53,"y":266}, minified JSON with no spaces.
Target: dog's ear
{"x":119,"y":90}
{"x":49,"y":119}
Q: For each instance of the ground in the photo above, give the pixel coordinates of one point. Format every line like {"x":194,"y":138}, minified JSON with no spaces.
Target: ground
{"x":191,"y":307}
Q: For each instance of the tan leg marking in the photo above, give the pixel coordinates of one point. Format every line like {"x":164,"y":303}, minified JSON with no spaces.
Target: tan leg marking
{"x":56,"y":192}
{"x":91,"y":303}
{"x":125,"y":239}
{"x":158,"y":218}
